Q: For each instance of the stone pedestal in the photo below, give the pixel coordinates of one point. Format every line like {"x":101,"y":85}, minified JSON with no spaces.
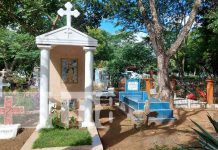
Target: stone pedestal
{"x":148,"y":86}
{"x":210,"y":91}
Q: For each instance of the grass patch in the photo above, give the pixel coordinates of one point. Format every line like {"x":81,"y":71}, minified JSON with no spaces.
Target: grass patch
{"x":62,"y":137}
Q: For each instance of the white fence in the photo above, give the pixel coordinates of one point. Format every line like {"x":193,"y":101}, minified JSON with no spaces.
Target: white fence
{"x":187,"y":103}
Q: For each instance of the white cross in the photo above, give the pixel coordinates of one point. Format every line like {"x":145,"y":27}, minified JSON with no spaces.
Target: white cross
{"x":3,"y":72}
{"x":68,"y":13}
{"x":2,"y":85}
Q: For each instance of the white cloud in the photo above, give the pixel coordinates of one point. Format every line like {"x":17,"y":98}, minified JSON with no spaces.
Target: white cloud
{"x":139,"y":36}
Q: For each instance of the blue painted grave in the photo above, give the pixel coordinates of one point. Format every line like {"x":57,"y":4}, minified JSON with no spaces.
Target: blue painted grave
{"x":134,"y":98}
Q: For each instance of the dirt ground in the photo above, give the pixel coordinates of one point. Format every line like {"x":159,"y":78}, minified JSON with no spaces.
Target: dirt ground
{"x":18,"y":142}
{"x":119,"y":133}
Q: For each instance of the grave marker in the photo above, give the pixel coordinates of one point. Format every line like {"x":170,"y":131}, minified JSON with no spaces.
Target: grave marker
{"x":133,"y":85}
{"x":8,"y":110}
{"x":65,"y":113}
{"x":3,"y":72}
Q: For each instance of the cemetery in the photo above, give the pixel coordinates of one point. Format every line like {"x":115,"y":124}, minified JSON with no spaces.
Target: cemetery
{"x":108,"y":75}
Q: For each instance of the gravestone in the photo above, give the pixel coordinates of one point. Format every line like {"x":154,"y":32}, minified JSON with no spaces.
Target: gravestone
{"x":3,"y":72}
{"x":36,"y":77}
{"x":101,"y":79}
{"x":2,"y":84}
{"x":9,"y":130}
{"x":65,"y":113}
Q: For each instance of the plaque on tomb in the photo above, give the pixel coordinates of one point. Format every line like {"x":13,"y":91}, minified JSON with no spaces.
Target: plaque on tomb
{"x":133,"y":85}
{"x":69,"y":68}
{"x":72,"y":104}
{"x":65,"y":113}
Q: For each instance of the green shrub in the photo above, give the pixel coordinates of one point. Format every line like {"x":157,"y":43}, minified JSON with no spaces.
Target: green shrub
{"x":56,"y":121}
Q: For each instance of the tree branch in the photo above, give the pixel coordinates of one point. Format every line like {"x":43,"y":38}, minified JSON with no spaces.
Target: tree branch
{"x":145,"y":16}
{"x":13,"y":64}
{"x":185,"y":30}
{"x":158,"y":27}
{"x":54,"y":23}
{"x":148,"y":23}
{"x":6,"y":64}
{"x":19,"y":20}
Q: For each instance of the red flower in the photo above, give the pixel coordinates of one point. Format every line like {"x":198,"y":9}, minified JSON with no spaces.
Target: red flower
{"x":191,"y":96}
{"x":202,"y":93}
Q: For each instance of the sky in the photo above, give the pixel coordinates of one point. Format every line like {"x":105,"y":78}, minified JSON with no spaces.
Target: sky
{"x":108,"y":26}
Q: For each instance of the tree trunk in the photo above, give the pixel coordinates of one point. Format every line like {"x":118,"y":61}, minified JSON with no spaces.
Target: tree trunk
{"x":163,"y":77}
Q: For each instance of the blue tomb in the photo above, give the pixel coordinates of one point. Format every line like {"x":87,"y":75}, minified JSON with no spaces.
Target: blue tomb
{"x":134,"y":98}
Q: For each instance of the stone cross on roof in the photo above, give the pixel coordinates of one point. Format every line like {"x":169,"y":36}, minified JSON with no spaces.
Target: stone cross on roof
{"x":68,"y":13}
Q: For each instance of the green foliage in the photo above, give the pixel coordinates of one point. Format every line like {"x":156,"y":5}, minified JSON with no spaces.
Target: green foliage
{"x":37,"y":17}
{"x":18,"y":51}
{"x":207,"y":140}
{"x":200,"y":46}
{"x":104,"y":51}
{"x":56,"y":121}
{"x":73,"y":121}
{"x":213,"y":122}
{"x":127,"y":52}
{"x":213,"y":17}
{"x":62,"y":138}
{"x":170,"y":16}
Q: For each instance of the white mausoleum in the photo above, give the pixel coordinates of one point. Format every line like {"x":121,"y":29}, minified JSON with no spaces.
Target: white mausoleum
{"x":66,"y":65}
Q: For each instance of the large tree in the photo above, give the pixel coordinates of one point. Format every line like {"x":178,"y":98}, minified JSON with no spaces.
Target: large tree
{"x":157,"y":16}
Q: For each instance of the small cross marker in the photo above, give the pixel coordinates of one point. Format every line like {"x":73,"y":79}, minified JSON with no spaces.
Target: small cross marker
{"x":68,"y":13}
{"x":3,"y":72}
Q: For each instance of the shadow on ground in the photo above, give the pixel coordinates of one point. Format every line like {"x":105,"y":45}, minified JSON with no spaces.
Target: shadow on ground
{"x":121,"y":134}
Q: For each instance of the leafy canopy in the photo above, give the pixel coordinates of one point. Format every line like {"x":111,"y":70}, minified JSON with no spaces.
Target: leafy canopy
{"x":18,"y":51}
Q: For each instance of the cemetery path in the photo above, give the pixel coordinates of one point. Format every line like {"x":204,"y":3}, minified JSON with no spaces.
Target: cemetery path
{"x":18,"y":142}
{"x":121,"y":135}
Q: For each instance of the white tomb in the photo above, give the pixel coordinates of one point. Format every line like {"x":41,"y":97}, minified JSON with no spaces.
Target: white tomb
{"x":66,"y":65}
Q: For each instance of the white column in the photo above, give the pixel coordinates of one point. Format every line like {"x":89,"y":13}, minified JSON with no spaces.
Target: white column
{"x":44,"y":85}
{"x":87,"y":106}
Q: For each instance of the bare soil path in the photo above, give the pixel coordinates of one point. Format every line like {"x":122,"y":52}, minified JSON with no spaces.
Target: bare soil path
{"x":121,"y":135}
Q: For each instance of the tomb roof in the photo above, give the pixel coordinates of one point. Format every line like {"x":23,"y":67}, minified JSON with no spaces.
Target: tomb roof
{"x":66,"y":36}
